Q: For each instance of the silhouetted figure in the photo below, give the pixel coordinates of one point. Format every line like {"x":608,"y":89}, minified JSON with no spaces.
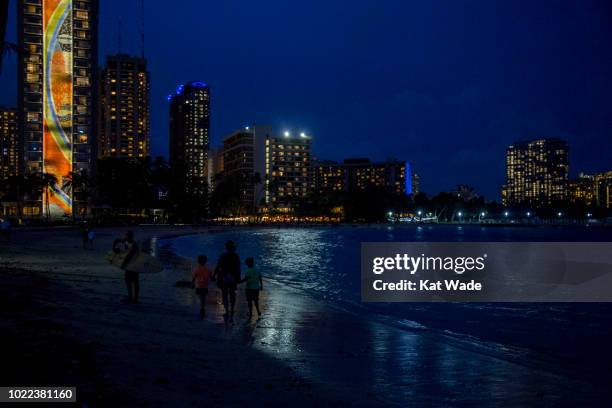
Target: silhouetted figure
{"x":131,"y":277}
{"x":227,"y":274}
{"x":5,"y":226}
{"x":254,"y":284}
{"x":200,"y":277}
{"x":85,"y":236}
{"x":91,"y":235}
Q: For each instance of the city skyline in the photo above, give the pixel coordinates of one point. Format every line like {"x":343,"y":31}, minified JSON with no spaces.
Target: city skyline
{"x":477,"y":100}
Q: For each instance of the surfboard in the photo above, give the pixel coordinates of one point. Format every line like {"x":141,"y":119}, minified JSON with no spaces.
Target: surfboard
{"x":140,"y":263}
{"x":144,"y":263}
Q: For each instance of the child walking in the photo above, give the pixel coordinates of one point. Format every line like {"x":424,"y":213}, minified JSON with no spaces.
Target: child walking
{"x":200,"y":277}
{"x":254,"y":284}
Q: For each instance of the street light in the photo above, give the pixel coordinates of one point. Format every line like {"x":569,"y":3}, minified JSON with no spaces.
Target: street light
{"x":528,"y":214}
{"x":559,"y":214}
{"x":287,"y":134}
{"x":506,"y":214}
{"x":419,"y":213}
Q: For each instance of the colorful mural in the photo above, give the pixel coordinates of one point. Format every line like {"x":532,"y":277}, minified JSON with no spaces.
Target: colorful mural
{"x":57,"y":102}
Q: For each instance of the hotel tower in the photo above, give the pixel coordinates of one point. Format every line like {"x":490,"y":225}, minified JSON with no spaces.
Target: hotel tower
{"x":124,"y":108}
{"x":57,"y":98}
{"x":189,"y":139}
{"x":536,"y":173}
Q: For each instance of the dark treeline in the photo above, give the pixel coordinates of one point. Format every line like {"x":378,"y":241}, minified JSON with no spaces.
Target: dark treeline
{"x":136,"y":188}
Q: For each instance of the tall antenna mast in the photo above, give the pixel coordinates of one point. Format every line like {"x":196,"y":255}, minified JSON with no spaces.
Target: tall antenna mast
{"x":142,"y":28}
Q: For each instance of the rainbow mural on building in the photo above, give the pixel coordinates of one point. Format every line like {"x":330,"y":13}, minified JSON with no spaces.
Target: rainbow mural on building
{"x":57,"y":103}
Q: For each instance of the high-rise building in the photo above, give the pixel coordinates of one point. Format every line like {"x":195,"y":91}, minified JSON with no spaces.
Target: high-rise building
{"x":57,"y":64}
{"x":287,"y":170}
{"x":244,"y":160}
{"x":582,"y":190}
{"x":189,"y":138}
{"x":603,"y":189}
{"x":328,"y":176}
{"x":362,"y":175}
{"x":536,"y":173}
{"x":215,"y":166}
{"x":592,"y":189}
{"x":390,"y":175}
{"x":9,"y":144}
{"x":124,"y":130}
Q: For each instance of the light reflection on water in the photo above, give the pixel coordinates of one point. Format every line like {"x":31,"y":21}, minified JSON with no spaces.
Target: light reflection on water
{"x":324,"y":263}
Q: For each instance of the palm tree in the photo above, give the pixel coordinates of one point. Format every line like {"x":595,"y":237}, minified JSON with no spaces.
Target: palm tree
{"x":45,"y":182}
{"x":79,"y":182}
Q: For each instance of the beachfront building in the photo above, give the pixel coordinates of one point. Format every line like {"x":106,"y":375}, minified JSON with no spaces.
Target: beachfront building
{"x":393,"y":176}
{"x":592,"y":189}
{"x":603,"y":191}
{"x":215,"y":166}
{"x":124,"y":130}
{"x":9,"y":144}
{"x":362,"y":175}
{"x":582,"y":190}
{"x":287,"y":170}
{"x":536,"y":173}
{"x":56,"y":85}
{"x":244,"y":162}
{"x":189,"y":140}
{"x":328,"y":176}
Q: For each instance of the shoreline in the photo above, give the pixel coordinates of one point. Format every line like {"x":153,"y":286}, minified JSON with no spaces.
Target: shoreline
{"x":222,"y":226}
{"x":301,"y":353}
{"x":460,"y":324}
{"x":117,"y":336}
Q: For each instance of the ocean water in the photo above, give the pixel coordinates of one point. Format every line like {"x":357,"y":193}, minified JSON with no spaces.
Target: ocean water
{"x":323,"y":262}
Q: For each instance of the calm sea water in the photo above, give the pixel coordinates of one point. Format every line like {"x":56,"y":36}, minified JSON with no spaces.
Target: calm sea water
{"x":324,"y":263}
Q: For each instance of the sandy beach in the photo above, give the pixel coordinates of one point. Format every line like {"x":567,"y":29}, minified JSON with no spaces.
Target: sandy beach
{"x":65,"y":325}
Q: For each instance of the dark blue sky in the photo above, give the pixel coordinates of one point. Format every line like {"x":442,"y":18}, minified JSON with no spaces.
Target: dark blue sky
{"x":444,"y":84}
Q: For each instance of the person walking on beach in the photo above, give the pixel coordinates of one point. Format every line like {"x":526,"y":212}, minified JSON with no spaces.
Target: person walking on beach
{"x":131,"y":277}
{"x":199,"y":278}
{"x":5,"y":226}
{"x":227,"y":274}
{"x":91,"y":235}
{"x":85,"y":236}
{"x":254,"y":284}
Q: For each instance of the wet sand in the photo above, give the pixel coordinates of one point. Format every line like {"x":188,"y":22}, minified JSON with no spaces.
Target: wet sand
{"x":66,"y":325}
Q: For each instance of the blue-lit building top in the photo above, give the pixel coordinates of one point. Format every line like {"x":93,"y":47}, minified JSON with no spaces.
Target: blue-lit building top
{"x":189,"y":114}
{"x":180,"y":90}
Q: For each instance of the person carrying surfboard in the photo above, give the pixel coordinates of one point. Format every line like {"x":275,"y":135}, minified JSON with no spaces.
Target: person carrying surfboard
{"x":227,"y":274}
{"x":131,"y":277}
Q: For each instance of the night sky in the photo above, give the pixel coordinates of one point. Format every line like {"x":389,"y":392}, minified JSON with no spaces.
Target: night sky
{"x":444,"y":84}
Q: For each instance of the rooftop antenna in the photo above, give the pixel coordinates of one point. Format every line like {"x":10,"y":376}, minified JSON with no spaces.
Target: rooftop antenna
{"x":142,"y":28}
